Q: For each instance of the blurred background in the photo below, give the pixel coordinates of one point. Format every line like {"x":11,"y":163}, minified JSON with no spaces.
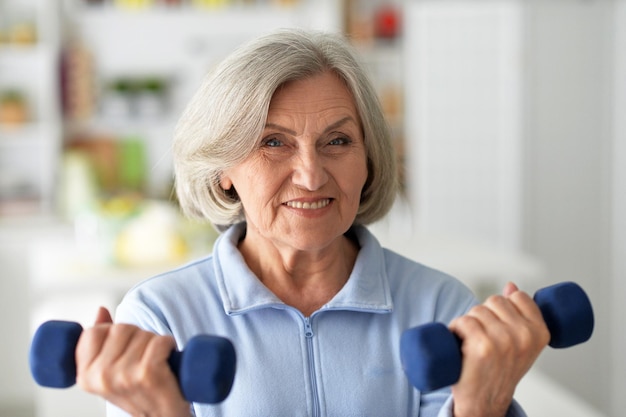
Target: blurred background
{"x":508,"y":118}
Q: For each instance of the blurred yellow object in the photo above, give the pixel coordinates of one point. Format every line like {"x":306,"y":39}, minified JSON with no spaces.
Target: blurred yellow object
{"x":151,"y":237}
{"x":23,"y":34}
{"x":134,"y":4}
{"x":4,"y":36}
{"x":13,"y":109}
{"x":121,"y":205}
{"x":286,"y":3}
{"x":210,"y":3}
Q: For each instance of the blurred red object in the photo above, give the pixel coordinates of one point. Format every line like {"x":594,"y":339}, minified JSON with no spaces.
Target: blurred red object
{"x":387,"y":22}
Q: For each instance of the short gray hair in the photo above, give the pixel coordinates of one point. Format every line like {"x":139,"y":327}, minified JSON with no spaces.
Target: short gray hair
{"x":225,"y":118}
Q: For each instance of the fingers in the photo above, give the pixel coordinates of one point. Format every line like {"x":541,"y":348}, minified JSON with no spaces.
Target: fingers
{"x":501,"y":339}
{"x":103,"y":316}
{"x":511,"y":318}
{"x":129,"y":367}
{"x":124,"y":346}
{"x":509,"y":289}
{"x":101,"y":349}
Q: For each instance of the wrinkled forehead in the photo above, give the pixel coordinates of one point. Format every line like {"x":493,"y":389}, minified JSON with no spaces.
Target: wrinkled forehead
{"x":323,"y":94}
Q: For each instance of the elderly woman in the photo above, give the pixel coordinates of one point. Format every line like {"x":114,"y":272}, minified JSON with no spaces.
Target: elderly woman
{"x":285,"y":150}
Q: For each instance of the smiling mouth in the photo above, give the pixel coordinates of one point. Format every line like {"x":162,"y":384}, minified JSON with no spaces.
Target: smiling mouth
{"x":308,"y":205}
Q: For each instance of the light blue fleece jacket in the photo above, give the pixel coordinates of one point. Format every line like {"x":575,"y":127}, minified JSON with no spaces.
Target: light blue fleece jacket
{"x":341,"y":361}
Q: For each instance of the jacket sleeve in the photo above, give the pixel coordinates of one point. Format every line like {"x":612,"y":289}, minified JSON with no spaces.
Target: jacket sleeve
{"x":113,"y":411}
{"x":515,"y":410}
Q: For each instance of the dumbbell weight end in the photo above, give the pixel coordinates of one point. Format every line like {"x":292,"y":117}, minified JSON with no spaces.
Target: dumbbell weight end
{"x":431,"y":353}
{"x":51,"y":357}
{"x":205,"y":369}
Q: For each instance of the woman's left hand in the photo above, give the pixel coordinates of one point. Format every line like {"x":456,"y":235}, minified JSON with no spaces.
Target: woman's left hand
{"x":501,"y":339}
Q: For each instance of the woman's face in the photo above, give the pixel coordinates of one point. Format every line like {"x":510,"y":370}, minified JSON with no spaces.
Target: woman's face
{"x":302,"y":185}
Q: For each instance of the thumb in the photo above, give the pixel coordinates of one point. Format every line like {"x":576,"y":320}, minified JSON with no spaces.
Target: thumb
{"x":509,"y":289}
{"x":103,"y":316}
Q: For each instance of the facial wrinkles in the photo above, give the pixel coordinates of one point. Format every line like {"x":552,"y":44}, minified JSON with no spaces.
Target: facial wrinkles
{"x":310,"y":161}
{"x":302,"y":121}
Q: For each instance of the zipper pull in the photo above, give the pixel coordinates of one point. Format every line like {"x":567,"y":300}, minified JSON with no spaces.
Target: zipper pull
{"x":308,"y":330}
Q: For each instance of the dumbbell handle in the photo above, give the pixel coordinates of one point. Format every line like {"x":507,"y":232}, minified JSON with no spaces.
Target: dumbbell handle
{"x":431,"y":355}
{"x":205,"y":369}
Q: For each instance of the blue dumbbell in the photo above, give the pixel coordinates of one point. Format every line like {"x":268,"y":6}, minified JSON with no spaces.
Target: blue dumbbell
{"x":205,"y":369}
{"x":431,"y":353}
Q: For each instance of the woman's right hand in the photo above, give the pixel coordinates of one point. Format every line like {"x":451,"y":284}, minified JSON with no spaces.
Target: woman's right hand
{"x":127,"y":366}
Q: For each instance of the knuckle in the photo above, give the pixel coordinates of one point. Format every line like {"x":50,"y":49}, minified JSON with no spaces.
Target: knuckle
{"x":121,"y":330}
{"x":494,"y":300}
{"x":89,"y":340}
{"x":96,"y":380}
{"x":124,"y":382}
{"x":484,"y":349}
{"x":464,"y":322}
{"x":521,"y":297}
{"x":113,"y":382}
{"x":146,"y":377}
{"x":526,"y":337}
{"x":477,"y":311}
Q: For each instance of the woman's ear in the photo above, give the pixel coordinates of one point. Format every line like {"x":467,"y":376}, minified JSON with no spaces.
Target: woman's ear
{"x":225,"y":182}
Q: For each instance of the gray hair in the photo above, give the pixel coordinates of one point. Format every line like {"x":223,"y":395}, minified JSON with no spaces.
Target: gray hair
{"x":225,"y":118}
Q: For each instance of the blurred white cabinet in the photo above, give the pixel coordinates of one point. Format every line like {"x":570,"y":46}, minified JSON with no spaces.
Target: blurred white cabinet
{"x":464,"y":80}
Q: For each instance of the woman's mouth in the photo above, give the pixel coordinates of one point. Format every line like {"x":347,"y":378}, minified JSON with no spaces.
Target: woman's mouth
{"x":309,"y":205}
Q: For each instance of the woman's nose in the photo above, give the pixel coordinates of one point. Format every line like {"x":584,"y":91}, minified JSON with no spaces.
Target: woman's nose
{"x":309,"y":171}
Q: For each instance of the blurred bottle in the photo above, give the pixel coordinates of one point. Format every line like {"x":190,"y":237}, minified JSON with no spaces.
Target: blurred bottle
{"x":77,"y":81}
{"x":132,"y":164}
{"x":78,"y":191}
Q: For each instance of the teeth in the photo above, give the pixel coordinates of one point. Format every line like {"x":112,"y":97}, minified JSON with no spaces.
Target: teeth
{"x":309,"y":206}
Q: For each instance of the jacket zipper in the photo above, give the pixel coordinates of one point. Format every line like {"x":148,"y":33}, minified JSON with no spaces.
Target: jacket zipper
{"x":308,"y":333}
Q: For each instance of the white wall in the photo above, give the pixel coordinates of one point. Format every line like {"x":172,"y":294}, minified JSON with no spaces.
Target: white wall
{"x":567,"y":156}
{"x":618,"y":227}
{"x":464,"y":116}
{"x":16,"y":386}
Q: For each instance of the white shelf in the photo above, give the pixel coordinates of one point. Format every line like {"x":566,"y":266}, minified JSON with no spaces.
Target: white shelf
{"x":19,"y":136}
{"x":21,"y":53}
{"x":26,"y":135}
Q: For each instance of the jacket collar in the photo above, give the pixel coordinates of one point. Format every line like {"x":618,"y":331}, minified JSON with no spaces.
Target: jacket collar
{"x":367,"y":288}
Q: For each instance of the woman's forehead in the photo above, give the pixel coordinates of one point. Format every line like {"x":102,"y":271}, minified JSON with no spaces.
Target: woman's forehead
{"x":316,"y":94}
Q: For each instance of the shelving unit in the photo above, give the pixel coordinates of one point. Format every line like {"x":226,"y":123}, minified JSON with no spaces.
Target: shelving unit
{"x":29,"y":151}
{"x":376,"y":29}
{"x":176,"y":44}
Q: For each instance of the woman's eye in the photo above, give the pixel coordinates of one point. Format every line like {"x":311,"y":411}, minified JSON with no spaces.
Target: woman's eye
{"x":339,"y":141}
{"x":272,"y":142}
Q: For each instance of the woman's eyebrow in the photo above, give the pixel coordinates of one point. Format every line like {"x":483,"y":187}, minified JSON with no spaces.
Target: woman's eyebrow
{"x":279,"y":127}
{"x":339,"y":123}
{"x":330,"y":127}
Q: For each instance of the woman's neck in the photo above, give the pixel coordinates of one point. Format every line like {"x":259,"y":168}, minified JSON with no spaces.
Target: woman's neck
{"x":306,"y":280}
